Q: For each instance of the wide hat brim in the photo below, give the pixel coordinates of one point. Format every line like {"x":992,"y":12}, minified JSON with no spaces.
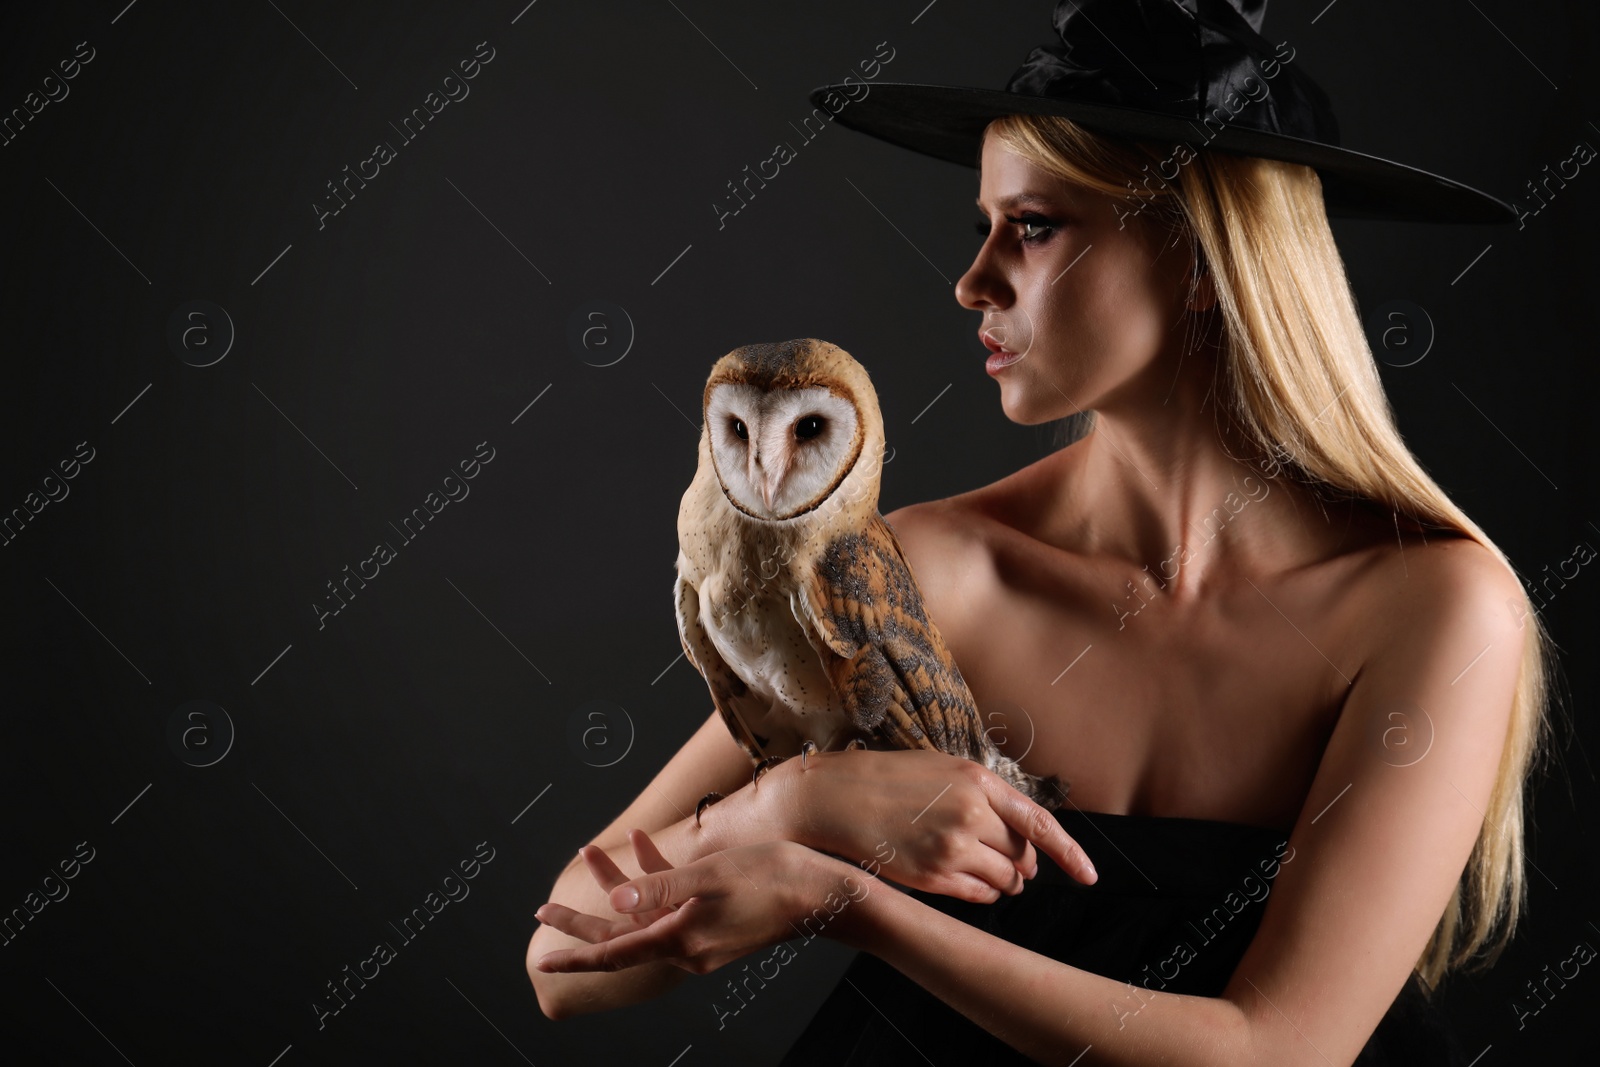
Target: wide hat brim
{"x":947,"y":122}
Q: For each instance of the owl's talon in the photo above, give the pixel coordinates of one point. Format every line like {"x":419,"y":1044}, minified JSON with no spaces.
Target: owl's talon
{"x":806,"y":748}
{"x":705,"y":802}
{"x":763,"y":767}
{"x":855,"y":745}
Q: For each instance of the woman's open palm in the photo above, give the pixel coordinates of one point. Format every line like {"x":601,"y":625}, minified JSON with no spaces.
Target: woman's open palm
{"x":608,"y":875}
{"x":704,"y":914}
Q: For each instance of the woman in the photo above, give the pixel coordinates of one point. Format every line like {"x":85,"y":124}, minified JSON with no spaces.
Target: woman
{"x":1297,"y":740}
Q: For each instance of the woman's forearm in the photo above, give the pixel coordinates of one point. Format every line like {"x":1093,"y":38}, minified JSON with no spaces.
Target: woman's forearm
{"x":1045,"y":1009}
{"x":748,"y":816}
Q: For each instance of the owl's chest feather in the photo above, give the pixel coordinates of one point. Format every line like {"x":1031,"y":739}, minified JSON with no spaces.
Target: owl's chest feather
{"x":748,"y":617}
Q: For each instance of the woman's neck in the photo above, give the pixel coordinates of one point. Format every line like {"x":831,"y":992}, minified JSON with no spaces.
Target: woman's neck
{"x":1162,"y":480}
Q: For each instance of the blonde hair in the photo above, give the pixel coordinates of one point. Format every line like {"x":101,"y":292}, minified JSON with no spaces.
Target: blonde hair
{"x":1299,"y":380}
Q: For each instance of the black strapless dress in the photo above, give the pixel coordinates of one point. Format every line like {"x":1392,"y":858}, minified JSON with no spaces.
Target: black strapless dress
{"x":1177,"y":903}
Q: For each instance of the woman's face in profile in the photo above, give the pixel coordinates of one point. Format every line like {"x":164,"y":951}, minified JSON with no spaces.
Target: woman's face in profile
{"x":1092,"y":309}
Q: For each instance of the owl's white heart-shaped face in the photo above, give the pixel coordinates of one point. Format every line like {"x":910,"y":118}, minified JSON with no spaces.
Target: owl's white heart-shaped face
{"x":781,"y":452}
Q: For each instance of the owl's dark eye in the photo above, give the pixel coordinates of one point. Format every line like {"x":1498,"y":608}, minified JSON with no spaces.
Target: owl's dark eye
{"x":740,"y":429}
{"x":809,"y":427}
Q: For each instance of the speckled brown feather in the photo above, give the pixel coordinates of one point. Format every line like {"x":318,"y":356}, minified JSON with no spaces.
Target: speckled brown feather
{"x":900,"y":684}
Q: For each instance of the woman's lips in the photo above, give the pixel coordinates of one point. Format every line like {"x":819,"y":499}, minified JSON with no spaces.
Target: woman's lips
{"x":1000,"y":359}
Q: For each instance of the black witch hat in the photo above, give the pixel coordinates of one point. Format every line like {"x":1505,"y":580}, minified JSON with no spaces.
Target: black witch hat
{"x":1196,"y":73}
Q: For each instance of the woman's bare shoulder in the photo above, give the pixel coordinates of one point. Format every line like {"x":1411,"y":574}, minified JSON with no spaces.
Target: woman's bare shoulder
{"x":1415,"y":583}
{"x":950,"y":541}
{"x":1423,"y":566}
{"x":940,"y":539}
{"x":1010,"y":501}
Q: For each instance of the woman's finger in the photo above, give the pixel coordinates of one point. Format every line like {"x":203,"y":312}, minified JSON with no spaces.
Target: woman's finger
{"x":655,"y":943}
{"x":606,"y":872}
{"x":971,"y":888}
{"x":668,"y":888}
{"x":985,"y":873}
{"x":997,"y":870}
{"x":1006,"y":841}
{"x":651,"y":861}
{"x":1018,"y":850}
{"x":554,"y":961}
{"x":600,"y":864}
{"x":999,"y":835}
{"x":1039,"y":826}
{"x":584,"y":927}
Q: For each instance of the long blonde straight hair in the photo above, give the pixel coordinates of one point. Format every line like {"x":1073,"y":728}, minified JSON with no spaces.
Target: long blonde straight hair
{"x":1299,"y":380}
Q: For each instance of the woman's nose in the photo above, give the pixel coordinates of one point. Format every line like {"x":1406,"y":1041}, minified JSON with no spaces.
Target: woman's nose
{"x":982,"y":286}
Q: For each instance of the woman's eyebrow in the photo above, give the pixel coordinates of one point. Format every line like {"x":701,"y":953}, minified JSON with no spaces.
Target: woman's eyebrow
{"x":1015,"y":200}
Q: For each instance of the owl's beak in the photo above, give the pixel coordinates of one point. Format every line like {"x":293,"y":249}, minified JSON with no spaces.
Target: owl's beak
{"x":768,"y":480}
{"x":753,"y":473}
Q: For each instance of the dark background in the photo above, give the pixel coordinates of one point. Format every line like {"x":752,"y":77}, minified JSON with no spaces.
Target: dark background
{"x":447,"y":704}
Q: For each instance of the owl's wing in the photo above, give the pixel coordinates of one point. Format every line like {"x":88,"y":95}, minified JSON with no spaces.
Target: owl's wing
{"x":887,"y":661}
{"x":725,"y":685}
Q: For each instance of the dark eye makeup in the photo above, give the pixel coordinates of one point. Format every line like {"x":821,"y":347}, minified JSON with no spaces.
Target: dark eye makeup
{"x":1029,"y":221}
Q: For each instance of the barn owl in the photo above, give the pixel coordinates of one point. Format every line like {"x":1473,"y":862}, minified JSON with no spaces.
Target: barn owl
{"x":793,"y":596}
